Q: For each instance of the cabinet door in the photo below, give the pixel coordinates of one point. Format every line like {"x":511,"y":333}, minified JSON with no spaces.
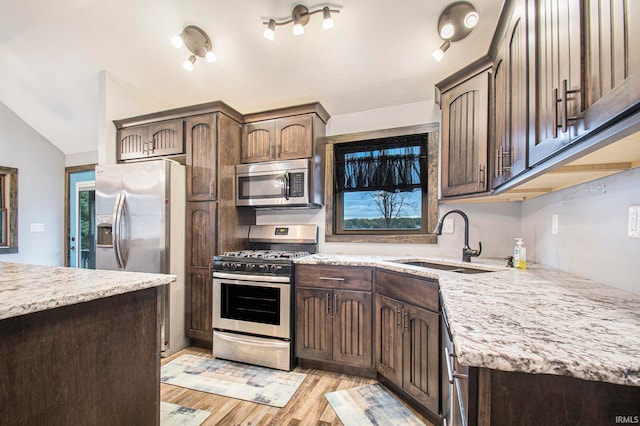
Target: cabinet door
{"x":558,"y":64}
{"x":201,"y":158}
{"x":294,"y":137}
{"x":352,"y":327}
{"x":613,"y":64}
{"x":464,"y":136}
{"x":510,"y":88}
{"x":313,"y":323}
{"x":167,"y":138}
{"x":258,"y":141}
{"x":421,"y":355}
{"x":133,"y":143}
{"x":200,"y":249}
{"x":389,"y":338}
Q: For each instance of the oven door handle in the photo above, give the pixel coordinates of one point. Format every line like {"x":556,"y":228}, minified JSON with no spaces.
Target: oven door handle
{"x":247,"y":339}
{"x":254,"y":278}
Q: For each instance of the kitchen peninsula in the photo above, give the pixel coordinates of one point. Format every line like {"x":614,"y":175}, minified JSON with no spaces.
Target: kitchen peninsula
{"x":79,"y":346}
{"x":537,"y":346}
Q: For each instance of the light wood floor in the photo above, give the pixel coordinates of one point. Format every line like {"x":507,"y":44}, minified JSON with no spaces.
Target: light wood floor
{"x":308,"y":406}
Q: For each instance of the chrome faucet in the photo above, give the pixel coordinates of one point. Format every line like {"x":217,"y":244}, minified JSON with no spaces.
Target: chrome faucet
{"x":467,"y":252}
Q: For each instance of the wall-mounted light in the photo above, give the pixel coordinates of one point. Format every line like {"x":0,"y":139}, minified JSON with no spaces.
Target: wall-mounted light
{"x":455,"y":23}
{"x":300,"y":17}
{"x":198,"y":43}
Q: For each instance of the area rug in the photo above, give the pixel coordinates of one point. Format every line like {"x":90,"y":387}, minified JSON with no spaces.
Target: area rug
{"x":177,"y":415}
{"x":370,"y":405}
{"x":232,"y":379}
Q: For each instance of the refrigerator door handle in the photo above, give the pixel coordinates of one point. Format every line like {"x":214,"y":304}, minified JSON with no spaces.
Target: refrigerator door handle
{"x":117,"y":223}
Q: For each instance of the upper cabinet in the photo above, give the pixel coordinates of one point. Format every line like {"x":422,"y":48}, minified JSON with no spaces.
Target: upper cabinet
{"x":201,"y":157}
{"x":510,"y":99}
{"x":284,"y":134}
{"x":564,"y":98}
{"x":164,"y":138}
{"x":556,"y":81}
{"x":612,"y":69}
{"x":465,"y":122}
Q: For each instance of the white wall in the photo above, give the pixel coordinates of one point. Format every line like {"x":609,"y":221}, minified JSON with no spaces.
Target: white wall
{"x":592,"y":239}
{"x":40,"y":190}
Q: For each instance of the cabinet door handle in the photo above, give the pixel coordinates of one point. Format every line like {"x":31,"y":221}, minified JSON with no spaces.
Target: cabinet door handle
{"x":335,"y":304}
{"x":328,"y":304}
{"x":554,"y":117}
{"x":397,"y":315}
{"x":565,"y":106}
{"x":498,"y":172}
{"x":211,"y":187}
{"x":405,"y":314}
{"x":480,"y":175}
{"x":330,"y":279}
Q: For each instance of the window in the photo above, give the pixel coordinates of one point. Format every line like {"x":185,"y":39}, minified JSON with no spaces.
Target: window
{"x":8,"y":210}
{"x":383,"y":186}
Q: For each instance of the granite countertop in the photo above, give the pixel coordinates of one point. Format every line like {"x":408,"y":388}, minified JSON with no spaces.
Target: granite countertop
{"x":539,"y":320}
{"x":25,"y":288}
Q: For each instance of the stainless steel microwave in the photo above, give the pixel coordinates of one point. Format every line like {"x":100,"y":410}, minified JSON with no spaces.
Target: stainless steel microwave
{"x":275,"y":184}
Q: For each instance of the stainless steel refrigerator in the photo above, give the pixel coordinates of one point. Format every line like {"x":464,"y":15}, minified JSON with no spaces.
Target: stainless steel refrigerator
{"x":140,"y":215}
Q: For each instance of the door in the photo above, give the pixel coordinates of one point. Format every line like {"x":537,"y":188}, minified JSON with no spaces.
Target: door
{"x":201,"y":158}
{"x":200,"y":248}
{"x":258,"y":141}
{"x":81,"y":219}
{"x":557,"y":76}
{"x":313,"y":325}
{"x":294,"y":137}
{"x":352,"y":327}
{"x":421,"y":355}
{"x":465,"y":122}
{"x":389,"y":338}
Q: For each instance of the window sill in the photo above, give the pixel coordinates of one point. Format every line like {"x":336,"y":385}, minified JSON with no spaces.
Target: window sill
{"x":384,"y":239}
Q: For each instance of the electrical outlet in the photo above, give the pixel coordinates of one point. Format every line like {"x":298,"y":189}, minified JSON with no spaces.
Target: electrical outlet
{"x":447,"y":225}
{"x":633,"y":231}
{"x":554,"y":224}
{"x":36,"y":227}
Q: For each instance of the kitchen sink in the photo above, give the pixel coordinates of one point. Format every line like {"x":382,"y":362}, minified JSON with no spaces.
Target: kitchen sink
{"x":443,"y":266}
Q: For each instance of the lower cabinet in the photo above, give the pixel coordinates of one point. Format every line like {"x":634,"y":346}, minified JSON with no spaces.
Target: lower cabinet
{"x":407,"y":344}
{"x":333,"y":322}
{"x":407,"y":351}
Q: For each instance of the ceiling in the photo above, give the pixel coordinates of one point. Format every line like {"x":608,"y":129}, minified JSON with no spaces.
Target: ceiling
{"x":378,"y":55}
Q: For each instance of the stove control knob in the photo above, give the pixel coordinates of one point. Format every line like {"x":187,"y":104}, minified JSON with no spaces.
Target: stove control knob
{"x":264,"y":267}
{"x":250,"y":266}
{"x":226,"y":265}
{"x":275,"y":268}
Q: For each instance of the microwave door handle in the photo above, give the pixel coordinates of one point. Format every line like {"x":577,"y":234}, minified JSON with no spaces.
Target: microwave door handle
{"x":287,"y":186}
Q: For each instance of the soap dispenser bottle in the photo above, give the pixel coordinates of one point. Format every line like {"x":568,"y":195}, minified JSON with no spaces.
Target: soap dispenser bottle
{"x":520,"y":255}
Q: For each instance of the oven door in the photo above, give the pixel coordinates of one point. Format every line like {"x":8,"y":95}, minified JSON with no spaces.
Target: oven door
{"x":242,"y":304}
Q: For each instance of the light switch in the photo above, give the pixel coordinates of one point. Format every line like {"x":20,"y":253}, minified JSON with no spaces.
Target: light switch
{"x":633,"y":230}
{"x":554,"y":224}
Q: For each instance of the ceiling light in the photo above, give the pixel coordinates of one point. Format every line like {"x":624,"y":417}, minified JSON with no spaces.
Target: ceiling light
{"x":299,"y":17}
{"x":188,"y":63}
{"x":198,"y":43}
{"x":327,"y":20}
{"x":447,"y":31}
{"x":438,"y":54}
{"x":455,"y":23}
{"x":270,"y":31}
{"x":471,"y":20}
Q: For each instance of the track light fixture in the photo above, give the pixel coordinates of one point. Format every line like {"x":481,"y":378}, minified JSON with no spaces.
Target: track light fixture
{"x":455,"y":23}
{"x":299,"y":17}
{"x":198,"y":43}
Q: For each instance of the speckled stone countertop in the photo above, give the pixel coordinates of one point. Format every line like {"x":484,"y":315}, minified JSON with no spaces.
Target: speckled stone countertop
{"x":25,"y":288}
{"x":538,"y":320}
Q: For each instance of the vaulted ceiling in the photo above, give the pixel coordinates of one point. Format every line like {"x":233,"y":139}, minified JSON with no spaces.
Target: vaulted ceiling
{"x":378,"y":55}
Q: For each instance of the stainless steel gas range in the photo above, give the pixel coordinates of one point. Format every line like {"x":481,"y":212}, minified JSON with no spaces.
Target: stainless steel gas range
{"x":253,"y":296}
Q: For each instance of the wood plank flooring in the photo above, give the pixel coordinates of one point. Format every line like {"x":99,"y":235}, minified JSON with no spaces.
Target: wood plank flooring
{"x":308,"y":406}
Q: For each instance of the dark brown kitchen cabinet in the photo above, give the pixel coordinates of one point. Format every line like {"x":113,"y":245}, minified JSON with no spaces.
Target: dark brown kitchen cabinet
{"x":407,"y":336}
{"x":165,"y":138}
{"x":202,"y":149}
{"x":465,"y":122}
{"x":612,"y":68}
{"x":510,"y":99}
{"x":278,"y":139}
{"x":556,"y":76}
{"x":201,"y":246}
{"x":334,"y":315}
